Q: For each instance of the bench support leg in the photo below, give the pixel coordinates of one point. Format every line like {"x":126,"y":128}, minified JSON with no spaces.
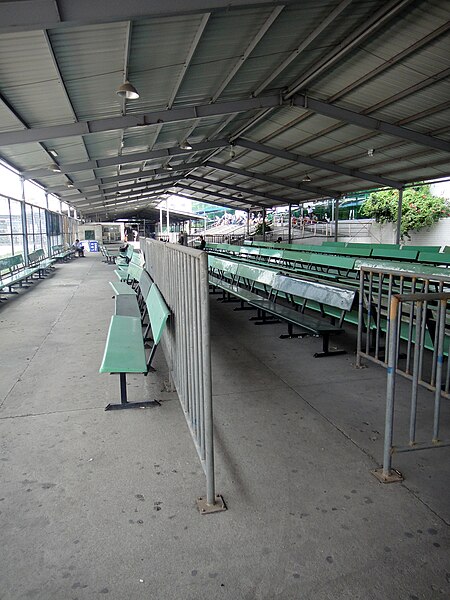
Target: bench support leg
{"x":290,"y":334}
{"x":124,"y":401}
{"x":326,"y":351}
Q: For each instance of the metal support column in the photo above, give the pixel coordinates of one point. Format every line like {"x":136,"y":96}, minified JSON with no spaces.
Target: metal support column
{"x":160,"y":221}
{"x":399,"y":216}
{"x":264,"y":225}
{"x":290,"y":224}
{"x":167,"y":219}
{"x":248,"y":222}
{"x":336,"y":218}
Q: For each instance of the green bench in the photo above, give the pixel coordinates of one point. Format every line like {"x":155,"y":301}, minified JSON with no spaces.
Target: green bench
{"x":263,"y":289}
{"x":435,"y":258}
{"x":125,"y":351}
{"x":37,"y":259}
{"x":62,"y":252}
{"x":298,"y":293}
{"x":109,"y":255}
{"x":132,"y":270}
{"x":13,"y":272}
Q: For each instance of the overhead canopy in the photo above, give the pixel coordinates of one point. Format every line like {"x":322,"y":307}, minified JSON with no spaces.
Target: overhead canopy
{"x":242,"y":104}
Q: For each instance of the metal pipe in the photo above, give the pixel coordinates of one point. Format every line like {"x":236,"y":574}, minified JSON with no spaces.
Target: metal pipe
{"x":290,"y":225}
{"x":399,"y":216}
{"x":390,"y":391}
{"x":415,"y":380}
{"x":336,"y":218}
{"x":439,"y":367}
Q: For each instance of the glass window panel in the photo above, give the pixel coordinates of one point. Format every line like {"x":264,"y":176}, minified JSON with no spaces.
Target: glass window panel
{"x":36,"y":219}
{"x":43,"y":221}
{"x":16,"y":216}
{"x":11,"y":184}
{"x":54,"y":203}
{"x":29,"y":219}
{"x":5,"y":246}
{"x":5,"y":220}
{"x":31,"y":243}
{"x":18,"y":244}
{"x":34,"y":194}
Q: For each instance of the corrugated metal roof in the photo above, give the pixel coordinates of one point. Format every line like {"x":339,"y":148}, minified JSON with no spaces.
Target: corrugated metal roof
{"x":397,"y":73}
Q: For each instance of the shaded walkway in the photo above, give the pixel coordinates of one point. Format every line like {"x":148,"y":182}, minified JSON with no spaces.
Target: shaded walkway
{"x":103,"y":505}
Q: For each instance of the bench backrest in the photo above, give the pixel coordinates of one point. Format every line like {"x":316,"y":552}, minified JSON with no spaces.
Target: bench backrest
{"x":250,"y":250}
{"x":36,"y":256}
{"x":296,"y":256}
{"x":404,"y":267}
{"x":410,"y":255}
{"x":437,"y":258}
{"x":313,"y":290}
{"x":222,"y":264}
{"x":256,"y":274}
{"x":9,"y":263}
{"x":145,"y":283}
{"x":158,"y":312}
{"x":422,"y":248}
{"x":337,"y":262}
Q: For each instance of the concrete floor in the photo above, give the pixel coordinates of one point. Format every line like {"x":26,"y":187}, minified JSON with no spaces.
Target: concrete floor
{"x":96,"y":504}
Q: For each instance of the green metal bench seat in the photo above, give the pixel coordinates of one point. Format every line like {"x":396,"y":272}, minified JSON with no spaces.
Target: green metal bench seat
{"x":13,"y":272}
{"x":125,"y":351}
{"x":300,"y":292}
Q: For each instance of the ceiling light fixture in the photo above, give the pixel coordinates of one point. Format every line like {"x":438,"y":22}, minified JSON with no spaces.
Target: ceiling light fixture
{"x":54,"y":168}
{"x":370,"y":152}
{"x":53,"y":153}
{"x":306,"y":178}
{"x":185,"y":145}
{"x":127,"y":91}
{"x":69,"y":185}
{"x":168,"y":167}
{"x":232,"y":152}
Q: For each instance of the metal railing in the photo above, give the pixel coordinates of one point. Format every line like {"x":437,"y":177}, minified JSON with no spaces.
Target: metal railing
{"x":441,"y":376}
{"x":181,"y":274}
{"x":407,"y":330}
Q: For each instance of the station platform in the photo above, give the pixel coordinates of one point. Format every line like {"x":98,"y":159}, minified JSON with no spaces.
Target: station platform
{"x":97,"y":504}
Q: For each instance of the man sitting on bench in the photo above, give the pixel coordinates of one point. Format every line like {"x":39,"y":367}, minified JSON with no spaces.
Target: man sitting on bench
{"x":78,"y":247}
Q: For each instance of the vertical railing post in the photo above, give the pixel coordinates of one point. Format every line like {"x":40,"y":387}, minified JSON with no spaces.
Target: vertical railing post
{"x":439,"y":369}
{"x":336,"y":218}
{"x":290,"y":225}
{"x":386,"y":474}
{"x":399,"y":216}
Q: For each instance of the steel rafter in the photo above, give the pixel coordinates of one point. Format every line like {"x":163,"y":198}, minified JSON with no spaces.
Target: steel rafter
{"x":319,"y":164}
{"x":236,"y":188}
{"x":275,"y":180}
{"x":252,"y":45}
{"x":126,"y":159}
{"x":174,"y":115}
{"x":239,"y":203}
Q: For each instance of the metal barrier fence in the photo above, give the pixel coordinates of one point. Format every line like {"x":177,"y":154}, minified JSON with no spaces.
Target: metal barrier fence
{"x":407,"y":330}
{"x":181,"y":275}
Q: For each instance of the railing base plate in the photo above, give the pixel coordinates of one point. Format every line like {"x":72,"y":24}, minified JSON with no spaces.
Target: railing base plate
{"x":205,"y":508}
{"x":125,"y":405}
{"x":393,"y":477}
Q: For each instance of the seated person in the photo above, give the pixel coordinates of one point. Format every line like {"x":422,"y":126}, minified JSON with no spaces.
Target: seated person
{"x":78,"y":247}
{"x":278,"y":240}
{"x":202,"y":244}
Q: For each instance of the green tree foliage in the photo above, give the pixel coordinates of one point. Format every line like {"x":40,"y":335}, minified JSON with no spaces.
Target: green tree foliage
{"x":419,"y":208}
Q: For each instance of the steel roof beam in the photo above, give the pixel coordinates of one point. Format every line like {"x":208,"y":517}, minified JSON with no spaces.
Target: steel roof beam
{"x":237,"y":188}
{"x":220,"y":204}
{"x":239,"y":202}
{"x":138,"y":175}
{"x":126,"y":159}
{"x":276,"y":180}
{"x":39,"y":134}
{"x":319,"y":164}
{"x":366,"y":122}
